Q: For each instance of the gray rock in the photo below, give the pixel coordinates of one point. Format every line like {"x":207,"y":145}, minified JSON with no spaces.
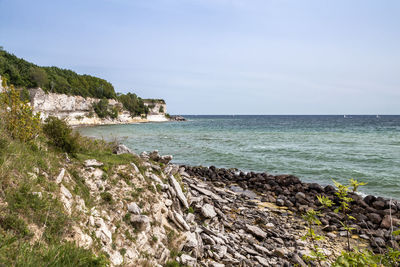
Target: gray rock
{"x":191,"y":240}
{"x":300,"y":195}
{"x":262,"y":261}
{"x":92,"y":163}
{"x":270,"y":225}
{"x":208,"y":240}
{"x":60,"y":176}
{"x":378,"y":241}
{"x":280,"y":202}
{"x":65,"y":192}
{"x":280,"y":252}
{"x":208,"y":211}
{"x":262,"y":249}
{"x":165,"y":159}
{"x":178,"y":190}
{"x":135,"y":168}
{"x":256,"y":231}
{"x":296,"y":259}
{"x":122,"y":149}
{"x":134,"y":208}
{"x":375,"y":218}
{"x":190,"y":218}
{"x":181,"y":221}
{"x":140,"y":222}
{"x":188,"y":260}
{"x":363,"y":236}
{"x":144,"y":155}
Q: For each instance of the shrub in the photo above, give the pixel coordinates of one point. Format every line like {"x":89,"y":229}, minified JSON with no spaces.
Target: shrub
{"x":19,"y":119}
{"x":106,"y":197}
{"x":14,"y":223}
{"x":133,"y":104}
{"x":60,"y":135}
{"x":104,"y":110}
{"x":101,"y":108}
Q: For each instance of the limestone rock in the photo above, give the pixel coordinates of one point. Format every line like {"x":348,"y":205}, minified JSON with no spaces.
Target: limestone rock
{"x":188,"y":260}
{"x":262,"y":261}
{"x":177,"y":187}
{"x":92,"y":163}
{"x":256,"y":231}
{"x":134,"y":208}
{"x":122,"y":149}
{"x":140,"y":222}
{"x":60,"y":176}
{"x":208,"y":211}
{"x":191,"y":240}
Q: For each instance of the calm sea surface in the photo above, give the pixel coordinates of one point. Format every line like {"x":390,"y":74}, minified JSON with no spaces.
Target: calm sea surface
{"x":314,"y":148}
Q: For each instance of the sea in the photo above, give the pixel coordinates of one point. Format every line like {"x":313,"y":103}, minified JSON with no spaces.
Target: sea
{"x":314,"y":148}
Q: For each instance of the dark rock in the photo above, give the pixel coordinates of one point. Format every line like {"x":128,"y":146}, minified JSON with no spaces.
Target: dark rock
{"x":378,"y":241}
{"x":388,"y":221}
{"x":375,"y":218}
{"x":369,"y":199}
{"x":379,"y":205}
{"x":330,"y":228}
{"x":280,"y":202}
{"x":298,"y":261}
{"x":329,"y":189}
{"x":316,"y":187}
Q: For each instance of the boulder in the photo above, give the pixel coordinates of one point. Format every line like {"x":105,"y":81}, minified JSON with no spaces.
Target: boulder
{"x":379,"y":205}
{"x":60,"y":176}
{"x":208,"y":211}
{"x":134,"y":208}
{"x":140,"y":222}
{"x":389,"y":221}
{"x":177,"y":188}
{"x":280,"y":252}
{"x":187,"y":260}
{"x":122,"y":149}
{"x":92,"y":163}
{"x":191,"y":240}
{"x":375,"y":218}
{"x":256,"y":231}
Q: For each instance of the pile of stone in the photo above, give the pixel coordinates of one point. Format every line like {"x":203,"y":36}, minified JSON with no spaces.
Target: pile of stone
{"x":376,"y":217}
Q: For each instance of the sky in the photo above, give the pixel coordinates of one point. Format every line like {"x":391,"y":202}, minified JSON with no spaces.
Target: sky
{"x":222,"y":56}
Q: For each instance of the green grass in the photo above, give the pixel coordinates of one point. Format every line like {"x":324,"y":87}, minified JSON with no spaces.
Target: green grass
{"x":81,"y":188}
{"x":15,"y":252}
{"x":44,"y":211}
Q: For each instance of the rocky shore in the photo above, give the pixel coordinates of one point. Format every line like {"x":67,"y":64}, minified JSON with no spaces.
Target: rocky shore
{"x":149,"y":212}
{"x":376,"y":217}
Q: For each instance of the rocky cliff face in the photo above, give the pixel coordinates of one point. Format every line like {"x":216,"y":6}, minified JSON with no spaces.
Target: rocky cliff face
{"x":78,"y":110}
{"x":156,"y":107}
{"x":1,"y":85}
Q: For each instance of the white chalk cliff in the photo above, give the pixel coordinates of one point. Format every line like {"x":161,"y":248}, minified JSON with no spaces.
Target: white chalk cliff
{"x":77,"y":110}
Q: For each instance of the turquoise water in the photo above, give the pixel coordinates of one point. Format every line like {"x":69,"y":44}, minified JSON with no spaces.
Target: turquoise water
{"x":314,"y":148}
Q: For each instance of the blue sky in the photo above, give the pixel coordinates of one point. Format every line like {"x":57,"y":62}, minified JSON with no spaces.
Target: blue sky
{"x":222,"y":56}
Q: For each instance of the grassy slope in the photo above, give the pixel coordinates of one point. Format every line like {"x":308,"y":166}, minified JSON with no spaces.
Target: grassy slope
{"x":32,"y":226}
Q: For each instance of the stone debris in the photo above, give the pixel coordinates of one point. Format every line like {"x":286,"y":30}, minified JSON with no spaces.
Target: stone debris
{"x":92,"y":163}
{"x":214,"y":217}
{"x":122,"y":149}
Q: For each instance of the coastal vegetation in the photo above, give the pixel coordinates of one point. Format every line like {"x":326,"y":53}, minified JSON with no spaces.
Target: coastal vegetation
{"x":35,"y":222}
{"x":104,"y":110}
{"x":24,"y":75}
{"x":133,"y":104}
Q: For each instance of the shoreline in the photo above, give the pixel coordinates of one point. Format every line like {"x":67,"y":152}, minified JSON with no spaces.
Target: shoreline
{"x":375,"y":215}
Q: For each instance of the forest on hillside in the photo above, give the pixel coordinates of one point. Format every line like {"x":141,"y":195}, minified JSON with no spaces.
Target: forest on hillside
{"x":24,"y":74}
